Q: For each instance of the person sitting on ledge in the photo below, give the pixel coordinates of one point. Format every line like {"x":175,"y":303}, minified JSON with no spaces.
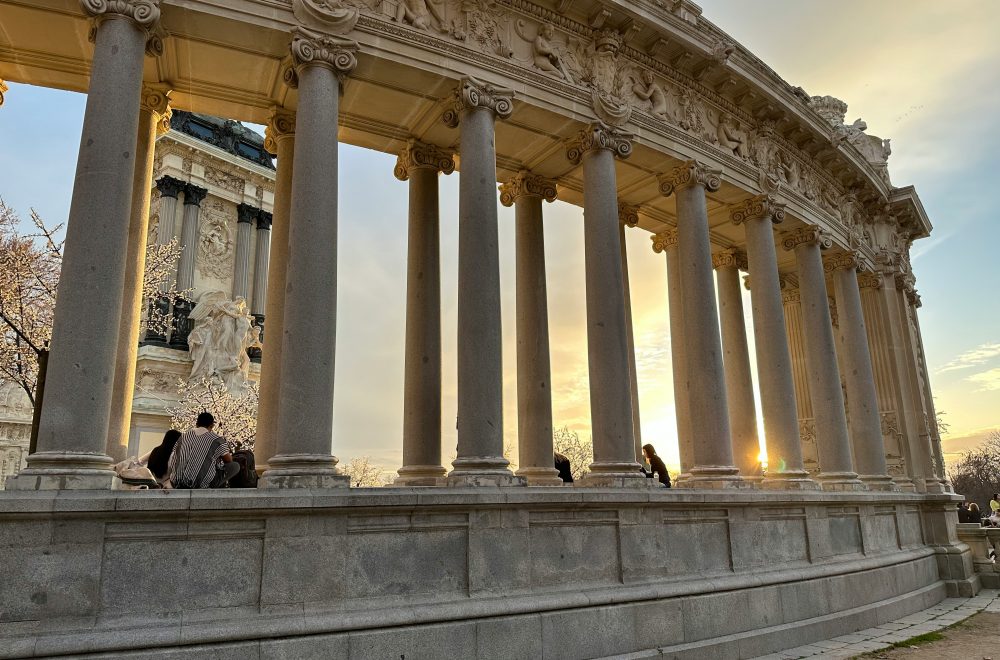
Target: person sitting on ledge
{"x":201,"y":458}
{"x":565,"y":469}
{"x":656,"y":466}
{"x":158,"y":460}
{"x":963,"y":512}
{"x":975,"y":515}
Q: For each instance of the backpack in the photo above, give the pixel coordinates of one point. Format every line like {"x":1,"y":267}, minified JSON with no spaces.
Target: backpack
{"x":247,"y":477}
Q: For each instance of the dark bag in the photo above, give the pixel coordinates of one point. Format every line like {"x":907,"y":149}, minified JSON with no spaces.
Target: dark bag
{"x":247,"y":477}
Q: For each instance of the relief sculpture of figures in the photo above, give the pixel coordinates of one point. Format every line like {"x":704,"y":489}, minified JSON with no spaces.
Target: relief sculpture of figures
{"x":545,"y":51}
{"x":419,"y":13}
{"x":730,"y":137}
{"x":647,"y":89}
{"x":223,"y":331}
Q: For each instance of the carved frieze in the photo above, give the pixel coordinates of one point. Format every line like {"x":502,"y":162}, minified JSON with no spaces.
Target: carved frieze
{"x":215,"y":242}
{"x":225,"y":180}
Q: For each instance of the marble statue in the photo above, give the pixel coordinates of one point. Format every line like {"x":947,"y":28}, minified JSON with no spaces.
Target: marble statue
{"x":223,"y":332}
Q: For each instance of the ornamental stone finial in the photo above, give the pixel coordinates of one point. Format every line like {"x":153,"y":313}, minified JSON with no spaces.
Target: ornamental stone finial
{"x":472,"y":94}
{"x":310,"y":48}
{"x":420,"y":155}
{"x":526,"y":184}
{"x":689,"y":174}
{"x":144,"y":13}
{"x":156,"y":99}
{"x":281,"y":125}
{"x":869,"y":280}
{"x":730,"y":258}
{"x":842,"y":261}
{"x":758,"y":208}
{"x":599,"y":136}
{"x":628,"y":215}
{"x":664,"y":240}
{"x":810,"y":234}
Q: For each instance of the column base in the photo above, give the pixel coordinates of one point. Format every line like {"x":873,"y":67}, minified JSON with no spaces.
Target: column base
{"x":714,"y":477}
{"x":840,"y":481}
{"x":904,"y":484}
{"x":477,"y":471}
{"x":303,"y":471}
{"x":56,"y":470}
{"x":420,"y":475}
{"x":879,"y":482}
{"x":796,"y":480}
{"x":539,"y":476}
{"x":614,"y":475}
{"x":934,"y":486}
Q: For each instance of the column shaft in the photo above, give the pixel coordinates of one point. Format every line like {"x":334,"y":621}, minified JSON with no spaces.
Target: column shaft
{"x":864,"y":423}
{"x":422,"y":367}
{"x":281,"y":142}
{"x":152,"y":111}
{"x":73,"y":431}
{"x":706,"y":385}
{"x":792,"y":304}
{"x":607,"y":342}
{"x":832,"y":441}
{"x":260,"y":265}
{"x":309,"y":328}
{"x":736,"y":358}
{"x":774,"y":363}
{"x":193,"y":196}
{"x":630,"y":342}
{"x":246,"y":216}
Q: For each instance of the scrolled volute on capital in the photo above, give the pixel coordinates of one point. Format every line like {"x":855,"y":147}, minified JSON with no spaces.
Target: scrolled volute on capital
{"x":281,"y":125}
{"x":156,"y":99}
{"x":312,"y":48}
{"x":689,"y":174}
{"x":842,"y":261}
{"x":526,"y":184}
{"x":472,"y":94}
{"x":628,"y":215}
{"x":600,"y":136}
{"x":808,"y":235}
{"x":144,"y":13}
{"x":421,"y":155}
{"x":664,"y":240}
{"x":730,"y":258}
{"x":759,"y":208}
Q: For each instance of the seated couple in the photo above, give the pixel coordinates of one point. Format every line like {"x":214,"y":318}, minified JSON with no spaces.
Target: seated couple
{"x":198,"y":458}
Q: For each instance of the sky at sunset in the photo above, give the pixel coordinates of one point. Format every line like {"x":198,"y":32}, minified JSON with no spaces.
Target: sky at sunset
{"x":922,"y":72}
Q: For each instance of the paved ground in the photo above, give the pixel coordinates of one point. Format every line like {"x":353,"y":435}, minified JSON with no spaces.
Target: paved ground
{"x":966,"y":641}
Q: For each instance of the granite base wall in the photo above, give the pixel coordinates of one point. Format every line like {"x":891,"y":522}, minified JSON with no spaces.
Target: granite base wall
{"x":415,"y":573}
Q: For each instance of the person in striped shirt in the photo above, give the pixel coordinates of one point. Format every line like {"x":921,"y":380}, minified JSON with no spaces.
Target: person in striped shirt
{"x":201,"y":458}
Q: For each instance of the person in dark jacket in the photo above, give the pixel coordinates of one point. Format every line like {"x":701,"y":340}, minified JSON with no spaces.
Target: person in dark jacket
{"x":565,"y":469}
{"x":656,"y":466}
{"x":160,"y":456}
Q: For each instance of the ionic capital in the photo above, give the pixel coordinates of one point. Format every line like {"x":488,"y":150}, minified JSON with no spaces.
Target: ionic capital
{"x":526,"y":184}
{"x":194,"y":194}
{"x":868,"y":280}
{"x":761,"y":207}
{"x":730,"y":258}
{"x":169,"y":186}
{"x":418,"y":155}
{"x":145,"y":14}
{"x":628,"y":215}
{"x":3,"y":90}
{"x":808,"y":235}
{"x":691,"y":173}
{"x":155,"y":99}
{"x":281,"y":125}
{"x":790,"y":296}
{"x":310,"y":48}
{"x":599,"y":136}
{"x":664,"y":240}
{"x":841,"y":261}
{"x":473,"y":94}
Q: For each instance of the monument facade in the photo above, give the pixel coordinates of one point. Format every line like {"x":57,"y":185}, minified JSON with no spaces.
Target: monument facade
{"x":649,"y":117}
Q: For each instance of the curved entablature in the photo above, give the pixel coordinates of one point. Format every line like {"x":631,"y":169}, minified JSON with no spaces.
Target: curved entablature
{"x":658,"y":70}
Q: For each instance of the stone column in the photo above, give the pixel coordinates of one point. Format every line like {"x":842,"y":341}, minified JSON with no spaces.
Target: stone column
{"x":420,"y":164}
{"x":774,"y":364}
{"x":607,"y":342}
{"x":739,"y":383}
{"x":260,"y":266}
{"x":154,"y":118}
{"x":475,"y":107}
{"x":706,"y":385}
{"x":193,"y":196}
{"x":246,"y":215}
{"x":628,"y":216}
{"x":863,"y":421}
{"x":169,"y":188}
{"x":73,"y":431}
{"x":913,"y":300}
{"x":832,"y":441}
{"x":309,"y":328}
{"x":791,"y":302}
{"x":666,"y":242}
{"x":279,"y":140}
{"x":525,"y":193}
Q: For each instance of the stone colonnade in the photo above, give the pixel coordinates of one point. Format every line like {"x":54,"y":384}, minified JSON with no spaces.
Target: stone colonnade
{"x":716,"y":414}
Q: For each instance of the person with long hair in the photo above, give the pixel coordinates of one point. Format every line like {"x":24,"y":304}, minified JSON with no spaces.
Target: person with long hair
{"x":159,"y":457}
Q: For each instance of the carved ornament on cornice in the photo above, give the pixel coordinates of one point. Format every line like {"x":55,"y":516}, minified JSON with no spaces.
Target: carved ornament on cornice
{"x":760,"y":207}
{"x":526,"y":184}
{"x":691,"y":173}
{"x":330,"y":16}
{"x":474,"y":94}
